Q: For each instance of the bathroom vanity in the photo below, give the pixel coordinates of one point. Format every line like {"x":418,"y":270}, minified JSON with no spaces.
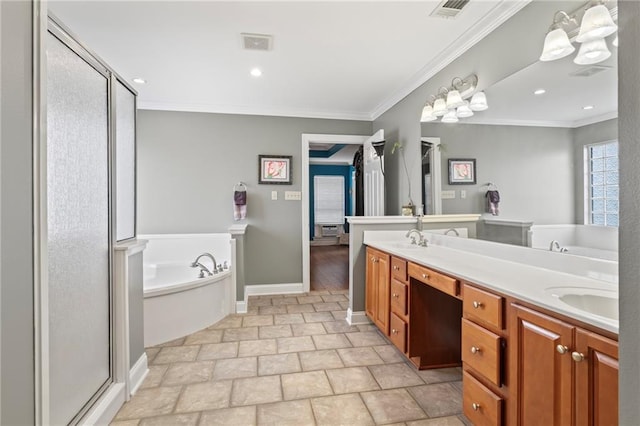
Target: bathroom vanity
{"x":525,"y":333}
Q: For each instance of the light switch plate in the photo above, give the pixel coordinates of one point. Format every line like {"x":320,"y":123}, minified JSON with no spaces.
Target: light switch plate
{"x":292,"y":195}
{"x":448,"y":195}
{"x":274,"y":195}
{"x":463,"y":193}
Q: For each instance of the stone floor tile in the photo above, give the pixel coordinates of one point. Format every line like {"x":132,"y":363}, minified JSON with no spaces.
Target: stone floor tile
{"x":317,"y":316}
{"x":295,"y":344}
{"x":395,"y":375}
{"x":176,"y":342}
{"x":188,"y":372}
{"x":438,"y":400}
{"x":150,"y":402}
{"x":353,"y":379}
{"x":252,"y":310}
{"x":458,"y":385}
{"x":231,"y":321}
{"x":305,"y":385}
{"x":289,"y":300}
{"x":244,"y":416}
{"x":339,"y":326}
{"x":233,"y":368}
{"x":439,"y":421}
{"x":134,"y":422}
{"x":151,"y":354}
{"x":288,"y":319}
{"x":340,"y":315}
{"x":308,"y":329}
{"x":355,"y":357}
{"x":273,"y":331}
{"x":465,"y":420}
{"x":154,"y":376}
{"x":237,"y":334}
{"x":297,"y":309}
{"x":256,"y":390}
{"x":334,"y":298}
{"x":204,"y":396}
{"x":257,"y":301}
{"x":204,"y":336}
{"x":366,"y":338}
{"x":326,"y":307}
{"x":390,"y":354}
{"x":344,"y":305}
{"x":395,"y":405}
{"x":257,"y":347}
{"x":341,"y":410}
{"x":320,"y":360}
{"x":292,"y":413}
{"x":319,"y":292}
{"x":171,"y":354}
{"x":341,"y":291}
{"x":310,"y":299}
{"x":190,"y":419}
{"x":331,"y":341}
{"x":278,"y":364}
{"x":440,"y":375}
{"x":264,"y":310}
{"x":255,"y":320}
{"x":218,"y":351}
{"x":366,"y":327}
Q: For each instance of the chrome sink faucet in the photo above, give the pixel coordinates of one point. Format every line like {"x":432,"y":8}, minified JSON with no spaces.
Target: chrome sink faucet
{"x":555,"y":246}
{"x":196,"y":264}
{"x":422,"y":241}
{"x":454,"y":230}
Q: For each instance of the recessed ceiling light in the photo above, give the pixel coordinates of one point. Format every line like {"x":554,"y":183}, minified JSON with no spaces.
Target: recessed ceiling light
{"x":256,"y":72}
{"x":539,"y":92}
{"x":139,"y":80}
{"x":587,"y":107}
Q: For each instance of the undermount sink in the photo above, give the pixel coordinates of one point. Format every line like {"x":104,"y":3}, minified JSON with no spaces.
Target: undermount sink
{"x":603,"y":303}
{"x":403,"y":245}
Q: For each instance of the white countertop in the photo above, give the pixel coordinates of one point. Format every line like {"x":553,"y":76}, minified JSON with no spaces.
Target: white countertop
{"x":432,"y":218}
{"x":461,"y":258}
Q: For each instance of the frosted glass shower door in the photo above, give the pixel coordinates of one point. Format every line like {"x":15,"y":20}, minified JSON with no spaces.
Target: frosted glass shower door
{"x":78,"y":232}
{"x":125,"y":163}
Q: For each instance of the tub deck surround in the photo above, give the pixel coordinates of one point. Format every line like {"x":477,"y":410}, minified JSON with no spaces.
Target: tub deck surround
{"x":595,"y":241}
{"x":514,"y":271}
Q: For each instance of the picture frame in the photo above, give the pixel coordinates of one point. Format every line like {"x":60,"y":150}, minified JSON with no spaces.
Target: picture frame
{"x":462,"y":171}
{"x":274,"y":169}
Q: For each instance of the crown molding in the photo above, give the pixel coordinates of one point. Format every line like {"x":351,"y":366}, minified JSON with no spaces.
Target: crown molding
{"x":571,"y":124}
{"x":473,"y":35}
{"x":596,"y":119}
{"x":251,"y":110}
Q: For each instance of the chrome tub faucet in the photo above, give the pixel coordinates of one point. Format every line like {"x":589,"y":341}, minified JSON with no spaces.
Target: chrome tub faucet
{"x":196,"y":264}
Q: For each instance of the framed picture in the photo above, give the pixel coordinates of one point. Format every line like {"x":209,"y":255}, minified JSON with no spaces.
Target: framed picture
{"x":462,"y":171}
{"x":274,"y":169}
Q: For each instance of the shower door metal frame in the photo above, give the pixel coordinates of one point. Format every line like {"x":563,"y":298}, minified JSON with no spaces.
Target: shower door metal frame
{"x":113,"y":392}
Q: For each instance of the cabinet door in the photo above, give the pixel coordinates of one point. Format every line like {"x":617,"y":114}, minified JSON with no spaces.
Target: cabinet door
{"x":596,"y":379}
{"x":383,"y":301}
{"x":541,"y":375}
{"x":371,"y":284}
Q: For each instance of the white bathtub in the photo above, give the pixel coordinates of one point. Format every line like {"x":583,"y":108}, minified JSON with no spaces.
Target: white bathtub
{"x":176,"y":301}
{"x":599,"y":242}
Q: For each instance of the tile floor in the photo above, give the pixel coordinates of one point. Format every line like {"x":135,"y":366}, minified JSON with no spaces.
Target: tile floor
{"x":291,"y":360}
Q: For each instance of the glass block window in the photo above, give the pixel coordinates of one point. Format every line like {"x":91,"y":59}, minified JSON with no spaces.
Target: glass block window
{"x":602,"y":183}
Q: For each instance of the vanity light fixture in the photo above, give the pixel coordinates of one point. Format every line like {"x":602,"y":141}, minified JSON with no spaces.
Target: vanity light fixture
{"x":596,"y":24}
{"x":450,"y":103}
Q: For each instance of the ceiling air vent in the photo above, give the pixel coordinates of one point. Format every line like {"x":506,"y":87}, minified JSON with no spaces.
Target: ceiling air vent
{"x":589,"y":71}
{"x":257,"y":41}
{"x":449,"y":8}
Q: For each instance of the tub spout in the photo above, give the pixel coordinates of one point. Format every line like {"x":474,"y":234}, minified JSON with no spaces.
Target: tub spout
{"x":196,"y":264}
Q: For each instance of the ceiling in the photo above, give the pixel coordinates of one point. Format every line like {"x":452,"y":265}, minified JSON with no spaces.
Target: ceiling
{"x":331,"y":59}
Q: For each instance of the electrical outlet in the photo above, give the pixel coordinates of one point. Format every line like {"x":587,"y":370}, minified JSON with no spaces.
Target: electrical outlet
{"x":463,"y":193}
{"x":292,"y":195}
{"x":274,"y":195}
{"x":448,"y":195}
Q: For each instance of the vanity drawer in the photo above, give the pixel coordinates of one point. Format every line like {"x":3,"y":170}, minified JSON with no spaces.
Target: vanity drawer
{"x":399,"y":297}
{"x":434,"y":279}
{"x":399,"y":269}
{"x":479,"y":404}
{"x":398,"y":334}
{"x":481,"y":350}
{"x":483,"y":306}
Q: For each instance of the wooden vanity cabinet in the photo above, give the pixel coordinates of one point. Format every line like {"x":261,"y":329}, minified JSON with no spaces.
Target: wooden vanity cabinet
{"x":399,"y":322}
{"x":377,"y":288}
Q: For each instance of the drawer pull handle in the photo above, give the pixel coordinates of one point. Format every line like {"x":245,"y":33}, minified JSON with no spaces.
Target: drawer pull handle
{"x":477,"y":304}
{"x":475,"y":406}
{"x":395,"y":267}
{"x":395,"y":295}
{"x":425,"y":276}
{"x":577,"y":356}
{"x":394,"y":331}
{"x":475,"y":350}
{"x":562,"y":349}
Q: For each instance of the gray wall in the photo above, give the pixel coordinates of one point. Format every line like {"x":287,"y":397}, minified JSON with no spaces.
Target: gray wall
{"x":136,"y":309}
{"x":585,"y":135}
{"x":189,"y":162}
{"x":531,"y":166}
{"x":629,"y":127}
{"x":16,"y":216}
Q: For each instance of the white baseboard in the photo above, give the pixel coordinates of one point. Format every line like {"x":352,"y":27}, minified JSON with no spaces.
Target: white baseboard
{"x":358,"y":317}
{"x":267,"y":290}
{"x":106,"y":408}
{"x":137,"y":373}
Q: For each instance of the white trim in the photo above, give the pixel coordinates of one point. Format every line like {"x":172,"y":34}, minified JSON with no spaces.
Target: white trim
{"x":542,"y":123}
{"x":238,"y":229}
{"x":241,"y":307}
{"x":307,"y":138}
{"x":131,"y":246}
{"x":492,"y":20}
{"x":137,"y":374}
{"x":509,"y":222}
{"x":267,"y":290}
{"x":106,"y":408}
{"x":436,"y":173}
{"x":363,"y":220}
{"x":252,"y":110}
{"x":358,"y":317}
